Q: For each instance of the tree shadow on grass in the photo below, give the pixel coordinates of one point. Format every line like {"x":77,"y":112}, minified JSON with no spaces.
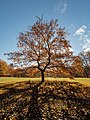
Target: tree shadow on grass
{"x":18,"y":99}
{"x":45,"y":101}
{"x":34,"y":112}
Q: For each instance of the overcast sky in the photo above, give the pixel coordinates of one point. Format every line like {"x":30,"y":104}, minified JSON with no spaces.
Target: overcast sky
{"x":17,"y":15}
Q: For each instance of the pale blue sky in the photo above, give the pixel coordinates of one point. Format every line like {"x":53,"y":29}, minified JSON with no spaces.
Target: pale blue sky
{"x":17,"y":15}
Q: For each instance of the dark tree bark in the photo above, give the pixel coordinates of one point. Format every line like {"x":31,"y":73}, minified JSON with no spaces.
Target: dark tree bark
{"x":42,"y":74}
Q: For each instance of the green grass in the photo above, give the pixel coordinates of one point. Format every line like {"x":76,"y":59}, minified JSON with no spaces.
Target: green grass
{"x":85,"y":81}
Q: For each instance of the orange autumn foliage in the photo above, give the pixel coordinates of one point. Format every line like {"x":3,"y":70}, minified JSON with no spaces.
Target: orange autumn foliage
{"x":45,"y":47}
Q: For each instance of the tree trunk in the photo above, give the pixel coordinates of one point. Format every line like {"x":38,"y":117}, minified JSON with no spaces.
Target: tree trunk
{"x":42,"y":74}
{"x":87,"y":75}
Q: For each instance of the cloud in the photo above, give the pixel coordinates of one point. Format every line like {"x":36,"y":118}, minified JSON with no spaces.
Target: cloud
{"x":64,"y":8}
{"x":60,"y":7}
{"x":84,"y":36}
{"x":81,"y":30}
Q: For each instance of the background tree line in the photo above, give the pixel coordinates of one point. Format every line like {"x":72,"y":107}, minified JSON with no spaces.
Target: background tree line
{"x":8,"y":70}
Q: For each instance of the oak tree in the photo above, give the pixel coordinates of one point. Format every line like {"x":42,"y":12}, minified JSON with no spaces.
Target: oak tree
{"x":44,"y":46}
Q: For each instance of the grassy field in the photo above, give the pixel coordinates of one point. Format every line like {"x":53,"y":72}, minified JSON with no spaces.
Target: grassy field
{"x":55,"y":99}
{"x":6,"y":80}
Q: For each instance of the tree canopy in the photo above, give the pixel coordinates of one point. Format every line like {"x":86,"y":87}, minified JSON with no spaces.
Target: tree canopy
{"x":44,"y":46}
